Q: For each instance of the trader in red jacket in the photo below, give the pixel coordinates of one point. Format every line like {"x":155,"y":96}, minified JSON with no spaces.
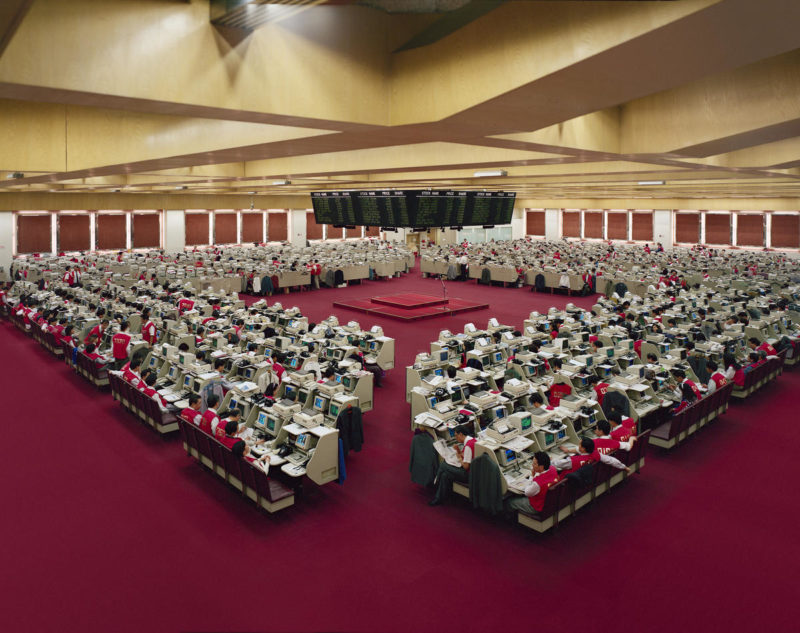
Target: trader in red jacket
{"x":543,"y":476}
{"x":120,"y":344}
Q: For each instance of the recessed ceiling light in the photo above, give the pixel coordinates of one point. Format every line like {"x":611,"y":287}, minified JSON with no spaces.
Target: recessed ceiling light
{"x":490,"y":173}
{"x":650,"y":182}
{"x":281,"y":182}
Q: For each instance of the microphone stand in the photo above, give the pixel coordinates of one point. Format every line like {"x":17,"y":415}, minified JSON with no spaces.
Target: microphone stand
{"x":444,"y":288}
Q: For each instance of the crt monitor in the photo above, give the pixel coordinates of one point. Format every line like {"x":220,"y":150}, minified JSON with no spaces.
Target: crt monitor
{"x":456,"y":397}
{"x":172,"y":372}
{"x":630,"y":346}
{"x":248,"y":373}
{"x":261,"y":421}
{"x":610,"y":352}
{"x":589,"y":361}
{"x":196,"y":388}
{"x":526,"y":422}
{"x":333,"y":410}
{"x":338,"y":378}
{"x":330,"y":352}
{"x":152,"y":361}
{"x":373,"y":345}
{"x":443,"y":356}
{"x":301,"y":441}
{"x":338,"y":354}
{"x":187,"y":382}
{"x":438,"y":372}
{"x":232,"y":404}
{"x":271,"y":424}
{"x":290,"y":392}
{"x":319,"y":403}
{"x":498,"y":357}
{"x":549,"y":438}
{"x":509,"y":456}
{"x":485,"y":361}
{"x":347,"y":381}
{"x":500,"y":412}
{"x":562,"y":434}
{"x":585,"y":337}
{"x":294,"y":362}
{"x":432,"y":401}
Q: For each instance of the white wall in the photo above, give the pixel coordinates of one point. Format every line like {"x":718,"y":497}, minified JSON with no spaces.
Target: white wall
{"x":174,"y":231}
{"x":297,"y":227}
{"x":662,"y":227}
{"x":552,"y":220}
{"x":6,"y":242}
{"x":518,"y":227}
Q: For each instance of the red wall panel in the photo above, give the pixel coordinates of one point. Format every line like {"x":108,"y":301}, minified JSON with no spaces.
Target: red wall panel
{"x":617,"y":226}
{"x":252,"y":227}
{"x":110,"y":232}
{"x":571,"y":223}
{"x":718,"y":228}
{"x":642,"y":226}
{"x":750,"y":230}
{"x":73,"y":232}
{"x":196,"y":229}
{"x":33,"y":233}
{"x":146,"y":230}
{"x":225,"y":228}
{"x":277,"y":227}
{"x":687,"y":228}
{"x":534,"y":223}
{"x":785,"y":231}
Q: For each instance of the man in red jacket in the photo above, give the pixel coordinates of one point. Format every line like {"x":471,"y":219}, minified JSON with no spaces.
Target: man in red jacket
{"x":587,"y":454}
{"x":120,"y":344}
{"x":543,"y":477}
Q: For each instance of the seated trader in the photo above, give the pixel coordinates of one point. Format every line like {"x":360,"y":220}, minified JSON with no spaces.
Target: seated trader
{"x":146,"y":386}
{"x":754,"y":344}
{"x":130,"y":373}
{"x":241,"y":449}
{"x":622,"y":429}
{"x":447,"y":474}
{"x":91,"y":353}
{"x":192,"y":412}
{"x":543,"y":476}
{"x":717,"y":379}
{"x":587,"y":454}
{"x":235,"y":416}
{"x":605,"y":443}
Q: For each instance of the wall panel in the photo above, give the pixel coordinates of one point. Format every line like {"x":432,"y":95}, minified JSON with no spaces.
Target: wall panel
{"x":73,"y":232}
{"x":110,"y":232}
{"x":642,"y":226}
{"x":718,"y":228}
{"x":252,"y":227}
{"x":534,"y":223}
{"x":33,"y":234}
{"x":145,"y":229}
{"x":571,"y":224}
{"x":277,"y":227}
{"x":225,"y":228}
{"x":785,"y":231}
{"x":313,"y":230}
{"x":750,"y":230}
{"x":196,"y":229}
{"x":687,"y":228}
{"x":617,"y":226}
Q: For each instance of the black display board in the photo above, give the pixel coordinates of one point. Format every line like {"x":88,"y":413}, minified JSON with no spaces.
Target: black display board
{"x":413,"y":209}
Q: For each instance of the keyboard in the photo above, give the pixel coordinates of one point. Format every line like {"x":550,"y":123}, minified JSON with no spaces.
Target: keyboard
{"x":296,"y":459}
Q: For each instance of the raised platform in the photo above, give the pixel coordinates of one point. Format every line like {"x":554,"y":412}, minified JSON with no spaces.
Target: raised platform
{"x":411,"y":306}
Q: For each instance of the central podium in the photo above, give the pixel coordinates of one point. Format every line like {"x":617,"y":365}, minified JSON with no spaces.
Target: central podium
{"x":411,"y":306}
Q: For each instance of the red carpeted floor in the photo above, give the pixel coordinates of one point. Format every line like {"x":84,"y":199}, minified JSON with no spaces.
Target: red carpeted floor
{"x":108,"y":527}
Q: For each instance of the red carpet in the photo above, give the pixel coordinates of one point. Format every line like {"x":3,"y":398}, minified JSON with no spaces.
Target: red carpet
{"x":108,"y":527}
{"x":409,"y":300}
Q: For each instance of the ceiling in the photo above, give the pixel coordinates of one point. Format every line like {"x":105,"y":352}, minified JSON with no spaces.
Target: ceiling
{"x":574,"y":101}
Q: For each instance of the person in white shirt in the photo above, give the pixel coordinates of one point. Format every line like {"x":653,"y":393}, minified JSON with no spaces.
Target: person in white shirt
{"x":447,"y":474}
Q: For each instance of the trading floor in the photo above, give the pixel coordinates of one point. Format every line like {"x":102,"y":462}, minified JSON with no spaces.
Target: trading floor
{"x":122,"y":531}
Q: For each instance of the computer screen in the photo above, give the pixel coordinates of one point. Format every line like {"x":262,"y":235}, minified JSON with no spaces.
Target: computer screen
{"x":171,"y":373}
{"x":549,"y":438}
{"x":456,"y":396}
{"x":294,"y":363}
{"x":338,"y":354}
{"x":373,"y":345}
{"x":232,"y":404}
{"x":585,"y":337}
{"x":319,"y":403}
{"x":196,"y":386}
{"x":271,"y":423}
{"x":338,"y":378}
{"x":301,"y":441}
{"x":438,"y":372}
{"x":187,"y":382}
{"x":630,"y":345}
{"x":485,"y":361}
{"x":290,"y":392}
{"x":500,"y":412}
{"x":334,"y":410}
{"x":526,"y":422}
{"x":546,"y":326}
{"x":562,"y":434}
{"x":432,"y":401}
{"x":152,"y":361}
{"x":589,"y":361}
{"x":329,"y":352}
{"x":347,"y":381}
{"x":248,"y":373}
{"x":498,"y":357}
{"x":510,"y":456}
{"x":610,"y":352}
{"x":262,"y":419}
{"x":443,"y":356}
